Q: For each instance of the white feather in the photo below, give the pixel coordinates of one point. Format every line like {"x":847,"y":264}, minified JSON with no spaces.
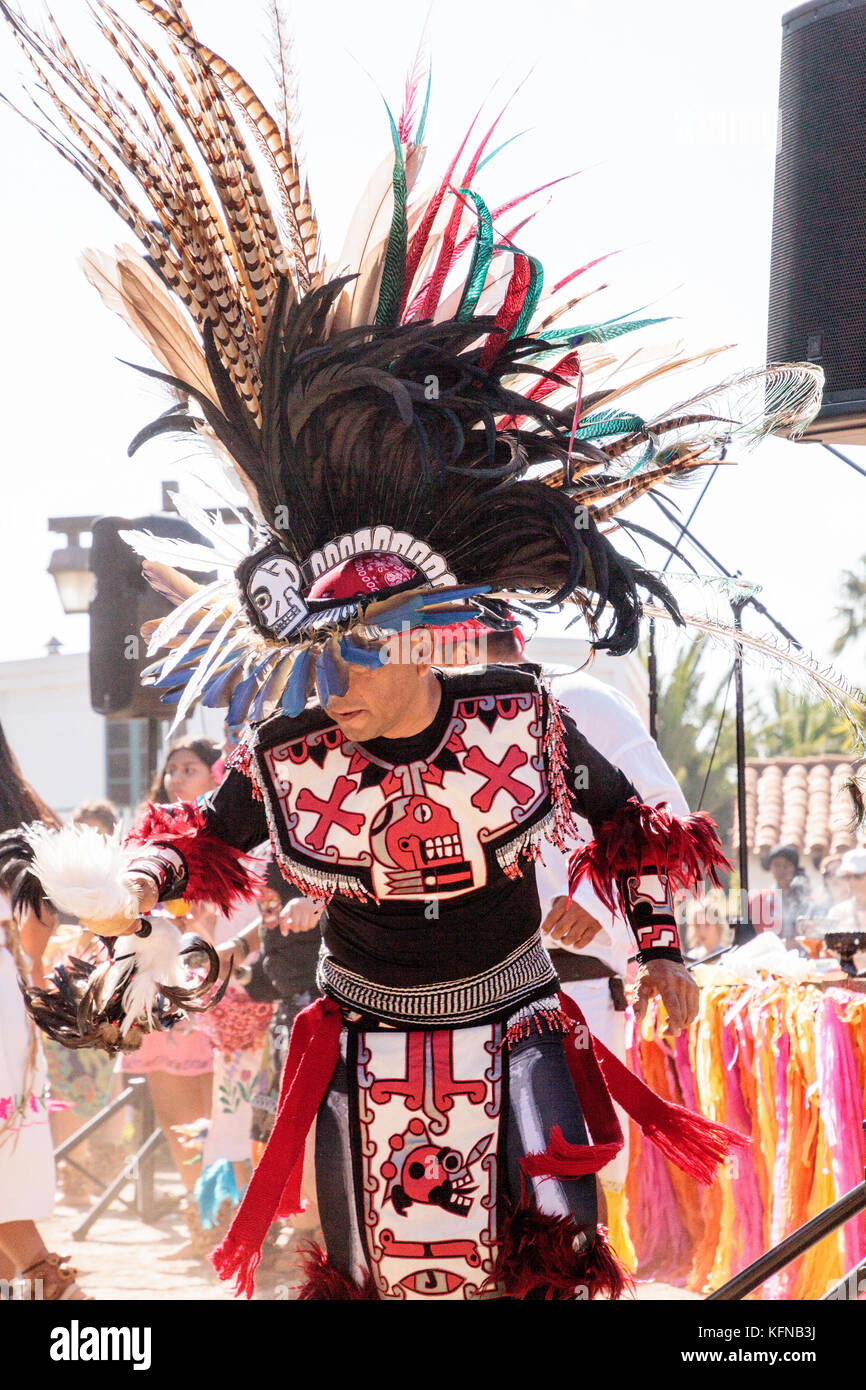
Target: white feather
{"x":211,"y":596}
{"x":222,"y":537}
{"x":82,"y":871}
{"x":183,"y":555}
{"x":195,"y":685}
{"x":152,"y":961}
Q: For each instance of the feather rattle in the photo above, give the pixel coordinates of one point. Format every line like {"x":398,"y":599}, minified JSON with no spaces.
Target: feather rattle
{"x":151,"y":973}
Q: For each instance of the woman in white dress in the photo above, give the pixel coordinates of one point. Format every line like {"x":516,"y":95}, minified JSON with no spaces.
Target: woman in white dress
{"x":26,"y":1149}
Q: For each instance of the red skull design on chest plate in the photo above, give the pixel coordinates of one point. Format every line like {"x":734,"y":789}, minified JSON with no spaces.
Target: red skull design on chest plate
{"x":419,"y":843}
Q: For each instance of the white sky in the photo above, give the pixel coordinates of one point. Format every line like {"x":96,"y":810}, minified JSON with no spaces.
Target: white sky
{"x":668,"y":106}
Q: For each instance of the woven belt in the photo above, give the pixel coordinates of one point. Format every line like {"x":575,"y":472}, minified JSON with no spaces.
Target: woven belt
{"x":525,"y":974}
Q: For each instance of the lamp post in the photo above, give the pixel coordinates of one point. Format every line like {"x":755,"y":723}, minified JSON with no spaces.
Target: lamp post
{"x":70,"y":567}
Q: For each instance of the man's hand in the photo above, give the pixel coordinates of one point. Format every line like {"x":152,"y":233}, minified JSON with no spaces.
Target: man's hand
{"x":570,"y":924}
{"x":301,"y":914}
{"x":143,"y":889}
{"x":674,"y":986}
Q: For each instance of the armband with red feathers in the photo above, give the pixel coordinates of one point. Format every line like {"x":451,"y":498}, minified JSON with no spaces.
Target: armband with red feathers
{"x":186,"y":859}
{"x":641,"y":856}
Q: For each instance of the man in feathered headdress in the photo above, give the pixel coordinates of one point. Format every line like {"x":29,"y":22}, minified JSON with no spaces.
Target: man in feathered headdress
{"x":418,"y":456}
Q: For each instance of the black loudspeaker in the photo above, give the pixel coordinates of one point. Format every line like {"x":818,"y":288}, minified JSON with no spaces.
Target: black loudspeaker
{"x":122,"y":602}
{"x":818,"y":268}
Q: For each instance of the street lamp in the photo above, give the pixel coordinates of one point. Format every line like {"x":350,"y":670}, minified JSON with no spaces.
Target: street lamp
{"x":70,"y":567}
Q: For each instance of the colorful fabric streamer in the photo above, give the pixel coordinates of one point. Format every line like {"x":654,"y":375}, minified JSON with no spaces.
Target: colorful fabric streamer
{"x":784,"y":1064}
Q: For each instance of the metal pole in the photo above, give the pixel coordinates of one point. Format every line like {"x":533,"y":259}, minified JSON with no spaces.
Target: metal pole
{"x":130,"y":1094}
{"x":743,"y":928}
{"x":144,"y":1172}
{"x":652,"y":672}
{"x":845,"y":459}
{"x":792,"y":1246}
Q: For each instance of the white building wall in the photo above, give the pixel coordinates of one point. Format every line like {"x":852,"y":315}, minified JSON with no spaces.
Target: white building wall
{"x":58,"y":740}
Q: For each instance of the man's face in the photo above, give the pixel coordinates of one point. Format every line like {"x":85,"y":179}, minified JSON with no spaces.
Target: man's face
{"x":783,"y":870}
{"x":858,"y":888}
{"x":386,"y":702}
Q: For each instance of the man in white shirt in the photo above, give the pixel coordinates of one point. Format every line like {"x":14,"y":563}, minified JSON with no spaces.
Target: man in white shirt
{"x":590,"y":946}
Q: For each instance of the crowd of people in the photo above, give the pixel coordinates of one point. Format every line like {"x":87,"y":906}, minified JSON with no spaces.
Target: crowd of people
{"x":798,"y":908}
{"x":213,"y":1078}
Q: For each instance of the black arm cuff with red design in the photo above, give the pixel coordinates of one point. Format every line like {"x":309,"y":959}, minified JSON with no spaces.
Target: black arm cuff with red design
{"x":646,"y":901}
{"x":165,"y":867}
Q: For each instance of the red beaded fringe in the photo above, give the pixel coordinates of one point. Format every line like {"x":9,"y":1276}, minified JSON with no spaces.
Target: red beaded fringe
{"x":541,"y":1021}
{"x":241,"y":760}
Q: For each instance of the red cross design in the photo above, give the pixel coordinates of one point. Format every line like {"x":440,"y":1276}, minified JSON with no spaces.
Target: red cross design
{"x":431,"y":775}
{"x":329,"y":812}
{"x":499,"y":778}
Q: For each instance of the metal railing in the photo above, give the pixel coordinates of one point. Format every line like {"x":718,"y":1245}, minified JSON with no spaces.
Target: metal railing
{"x":796,"y":1244}
{"x":138,"y":1168}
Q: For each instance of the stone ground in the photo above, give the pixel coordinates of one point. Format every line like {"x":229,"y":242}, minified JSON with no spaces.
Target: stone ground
{"x":124,"y":1258}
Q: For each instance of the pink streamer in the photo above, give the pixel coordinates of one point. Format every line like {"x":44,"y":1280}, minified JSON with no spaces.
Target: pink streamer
{"x":841,"y":1103}
{"x":781,"y":1284}
{"x":744,"y":1182}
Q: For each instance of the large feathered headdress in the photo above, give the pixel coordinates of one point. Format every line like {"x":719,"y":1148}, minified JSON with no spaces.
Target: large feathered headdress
{"x":411,"y":425}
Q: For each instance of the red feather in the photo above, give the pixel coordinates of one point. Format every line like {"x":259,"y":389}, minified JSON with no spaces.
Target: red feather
{"x":568,"y":367}
{"x":536,"y":1258}
{"x":566,"y":279}
{"x":410,"y":96}
{"x":216,"y":872}
{"x":419,"y":240}
{"x":686,"y":848}
{"x":446,"y":251}
{"x":509,"y":311}
{"x":325,"y":1282}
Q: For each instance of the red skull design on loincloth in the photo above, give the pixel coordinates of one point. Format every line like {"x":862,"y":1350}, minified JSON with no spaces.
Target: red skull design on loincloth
{"x":420,"y":1170}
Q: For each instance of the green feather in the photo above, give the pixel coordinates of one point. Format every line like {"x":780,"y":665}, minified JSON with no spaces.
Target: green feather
{"x":598,"y":333}
{"x":422,"y":124}
{"x":606,"y":423}
{"x":493,"y":153}
{"x":394,"y":269}
{"x":481,"y":256}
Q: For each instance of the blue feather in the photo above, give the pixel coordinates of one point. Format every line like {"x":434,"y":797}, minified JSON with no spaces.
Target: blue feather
{"x":216,"y":1185}
{"x":212,"y":695}
{"x":295,"y":693}
{"x":330,"y":679}
{"x":362,"y":656}
{"x":243,"y":694}
{"x":257,"y":708}
{"x":412,"y":612}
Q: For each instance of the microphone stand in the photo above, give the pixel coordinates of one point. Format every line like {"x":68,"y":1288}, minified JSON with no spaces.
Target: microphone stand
{"x":744,"y":929}
{"x":742,"y":924}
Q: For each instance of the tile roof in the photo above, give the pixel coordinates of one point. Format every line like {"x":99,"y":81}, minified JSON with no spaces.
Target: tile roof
{"x":803,"y":802}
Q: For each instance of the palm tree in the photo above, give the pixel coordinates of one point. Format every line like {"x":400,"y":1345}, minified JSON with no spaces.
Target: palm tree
{"x":851,"y":612}
{"x":690,"y":725}
{"x":798,"y":727}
